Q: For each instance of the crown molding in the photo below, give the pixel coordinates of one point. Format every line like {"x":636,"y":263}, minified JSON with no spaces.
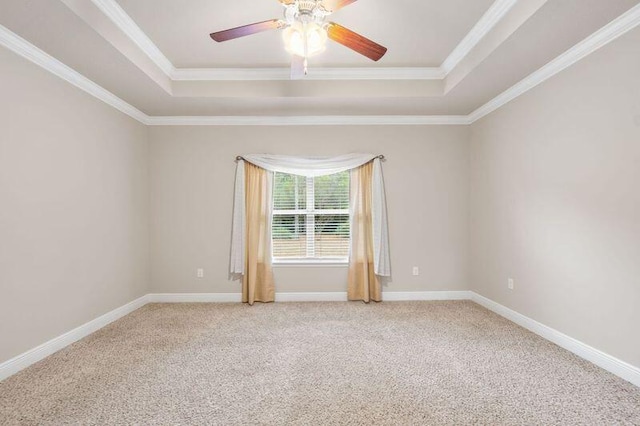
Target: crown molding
{"x":607,"y":34}
{"x":123,"y":21}
{"x":489,"y":20}
{"x":318,"y":120}
{"x":127,"y":25}
{"x":249,"y":74}
{"x":30,"y":52}
{"x":616,"y":28}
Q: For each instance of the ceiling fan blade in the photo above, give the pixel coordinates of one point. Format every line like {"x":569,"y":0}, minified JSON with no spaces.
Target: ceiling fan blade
{"x":333,"y":5}
{"x":246,"y":30}
{"x":355,"y":41}
{"x":298,"y":70}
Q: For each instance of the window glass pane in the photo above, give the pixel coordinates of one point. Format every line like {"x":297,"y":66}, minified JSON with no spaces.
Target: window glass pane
{"x":332,"y":192}
{"x":332,"y":235}
{"x":289,"y":192}
{"x":289,"y":236}
{"x":328,"y":225}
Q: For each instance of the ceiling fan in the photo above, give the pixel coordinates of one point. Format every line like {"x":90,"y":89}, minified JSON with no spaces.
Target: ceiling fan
{"x":305,"y":32}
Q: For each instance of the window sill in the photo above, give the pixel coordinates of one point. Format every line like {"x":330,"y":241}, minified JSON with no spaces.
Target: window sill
{"x":311,"y":263}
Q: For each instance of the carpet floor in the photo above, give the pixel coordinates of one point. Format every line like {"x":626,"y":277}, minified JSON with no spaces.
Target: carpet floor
{"x":396,"y":363}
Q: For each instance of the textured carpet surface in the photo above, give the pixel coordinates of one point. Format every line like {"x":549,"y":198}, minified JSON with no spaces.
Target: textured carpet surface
{"x":396,"y":363}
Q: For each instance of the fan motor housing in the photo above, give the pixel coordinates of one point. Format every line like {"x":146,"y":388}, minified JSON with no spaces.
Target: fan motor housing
{"x":305,"y":11}
{"x":307,"y":6}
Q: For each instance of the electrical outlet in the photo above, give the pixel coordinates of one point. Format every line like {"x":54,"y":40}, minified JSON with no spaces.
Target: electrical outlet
{"x":200,"y":273}
{"x":416,"y":271}
{"x":510,"y":284}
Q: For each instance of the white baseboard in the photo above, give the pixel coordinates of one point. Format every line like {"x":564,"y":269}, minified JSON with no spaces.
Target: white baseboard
{"x":34,"y":355}
{"x":390,"y":296}
{"x":12,"y":366}
{"x":618,"y":367}
{"x":237,"y":297}
{"x":193,"y":297}
{"x":338,"y":296}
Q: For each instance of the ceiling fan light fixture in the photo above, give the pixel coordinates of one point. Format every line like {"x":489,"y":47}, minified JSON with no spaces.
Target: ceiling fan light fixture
{"x":305,"y":32}
{"x":305,"y":39}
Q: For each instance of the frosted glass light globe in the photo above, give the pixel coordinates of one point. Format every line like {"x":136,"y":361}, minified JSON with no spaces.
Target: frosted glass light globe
{"x":295,"y":35}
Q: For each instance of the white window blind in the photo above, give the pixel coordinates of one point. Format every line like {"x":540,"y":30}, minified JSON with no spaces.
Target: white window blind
{"x":311,"y":217}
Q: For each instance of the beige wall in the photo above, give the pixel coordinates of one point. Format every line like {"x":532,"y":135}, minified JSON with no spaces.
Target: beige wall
{"x":73,"y":207}
{"x":549,"y":182}
{"x":555,"y":201}
{"x":192,"y":174}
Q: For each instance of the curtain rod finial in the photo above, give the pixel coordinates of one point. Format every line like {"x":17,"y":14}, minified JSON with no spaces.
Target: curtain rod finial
{"x":239,"y":157}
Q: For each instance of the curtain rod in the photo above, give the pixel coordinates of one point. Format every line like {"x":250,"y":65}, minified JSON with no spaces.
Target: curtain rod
{"x":381,"y":157}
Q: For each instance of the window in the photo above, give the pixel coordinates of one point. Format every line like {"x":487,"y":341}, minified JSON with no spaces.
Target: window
{"x":311,"y":218}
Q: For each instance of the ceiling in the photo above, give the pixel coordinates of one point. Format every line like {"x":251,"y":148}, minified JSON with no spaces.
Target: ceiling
{"x":445,"y":57}
{"x":430,"y":31}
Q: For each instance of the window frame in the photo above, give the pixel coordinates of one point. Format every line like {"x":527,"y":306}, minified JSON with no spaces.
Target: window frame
{"x":310,"y":213}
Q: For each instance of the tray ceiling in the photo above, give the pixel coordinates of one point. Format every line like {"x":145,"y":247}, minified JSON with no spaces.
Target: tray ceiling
{"x":417,"y":33}
{"x":446,"y":58}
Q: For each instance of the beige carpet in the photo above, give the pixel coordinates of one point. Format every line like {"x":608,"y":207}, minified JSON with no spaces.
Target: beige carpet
{"x":396,"y":363}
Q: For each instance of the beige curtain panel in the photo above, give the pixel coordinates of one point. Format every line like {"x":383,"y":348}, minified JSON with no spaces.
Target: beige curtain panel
{"x":257,"y":282}
{"x":251,"y":259}
{"x":363,"y":284}
{"x":312,"y":167}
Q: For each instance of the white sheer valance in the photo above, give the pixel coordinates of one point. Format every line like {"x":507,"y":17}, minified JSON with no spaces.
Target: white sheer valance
{"x":312,"y":167}
{"x":309,"y":167}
